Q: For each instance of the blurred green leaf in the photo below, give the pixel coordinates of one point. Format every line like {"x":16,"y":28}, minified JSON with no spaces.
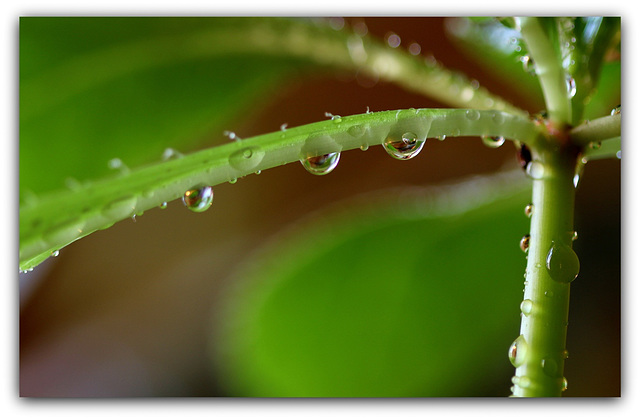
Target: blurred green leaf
{"x":406,"y":295}
{"x":499,"y":49}
{"x":95,"y":89}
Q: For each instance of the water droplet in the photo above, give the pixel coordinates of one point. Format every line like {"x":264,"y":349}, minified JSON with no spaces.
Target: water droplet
{"x":441,"y":137}
{"x":404,"y":149}
{"x":595,"y":145}
{"x":233,"y":180}
{"x":472,"y":114}
{"x":321,"y":165}
{"x":526,"y":307}
{"x":562,"y":263}
{"x":55,"y":253}
{"x":414,"y":49}
{"x":524,"y":156}
{"x":257,"y":172}
{"x":619,"y":154}
{"x":198,"y":199}
{"x":524,"y":242}
{"x":528,"y":210}
{"x":498,"y":118}
{"x":246,"y":159}
{"x":574,"y":236}
{"x":524,"y":382}
{"x":571,"y":86}
{"x":170,"y":153}
{"x":565,"y":354}
{"x":356,"y":131}
{"x":364,"y":147}
{"x":231,"y":135}
{"x":493,"y":142}
{"x":564,"y":385}
{"x":283,"y":127}
{"x":163,"y":205}
{"x":550,"y":367}
{"x":518,"y":351}
{"x":548,"y":294}
{"x":615,"y":110}
{"x":393,"y":40}
{"x":528,"y":64}
{"x":535,"y":170}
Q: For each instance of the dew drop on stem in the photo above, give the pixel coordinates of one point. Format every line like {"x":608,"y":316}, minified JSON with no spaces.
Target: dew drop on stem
{"x":518,"y":351}
{"x":404,"y":148}
{"x":321,"y":165}
{"x":528,"y":210}
{"x":524,"y":242}
{"x":492,"y":142}
{"x":526,"y":307}
{"x":562,"y":263}
{"x":198,"y":199}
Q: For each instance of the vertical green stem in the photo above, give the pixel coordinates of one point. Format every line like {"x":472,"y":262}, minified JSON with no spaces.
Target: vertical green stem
{"x":539,"y":352}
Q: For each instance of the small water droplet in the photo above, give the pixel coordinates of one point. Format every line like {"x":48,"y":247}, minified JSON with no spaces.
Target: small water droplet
{"x":257,"y":172}
{"x":170,"y":153}
{"x":414,"y":48}
{"x":528,"y":210}
{"x":472,"y":114}
{"x":524,"y":242}
{"x":198,"y":199}
{"x":356,"y":131}
{"x":441,"y":137}
{"x":550,"y":367}
{"x":321,"y":165}
{"x":526,"y":307}
{"x":565,"y":354}
{"x":595,"y":145}
{"x":574,"y":236}
{"x":528,"y":65}
{"x":615,"y":110}
{"x":163,"y":205}
{"x":233,"y":180}
{"x":571,"y":86}
{"x":493,"y":142}
{"x":498,"y":118}
{"x":283,"y":127}
{"x":246,"y":159}
{"x":548,"y":294}
{"x":535,"y":170}
{"x":518,"y":351}
{"x":562,"y":263}
{"x":231,"y":135}
{"x":55,"y":253}
{"x":407,"y":147}
{"x":564,"y":385}
{"x":364,"y":147}
{"x":393,"y":40}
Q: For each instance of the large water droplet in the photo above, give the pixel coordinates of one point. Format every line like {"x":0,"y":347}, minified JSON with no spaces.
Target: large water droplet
{"x":198,"y":199}
{"x":535,"y":170}
{"x":321,"y":165}
{"x":524,"y":242}
{"x":518,"y":351}
{"x":562,"y":263}
{"x":407,"y":147}
{"x":528,"y":210}
{"x":526,"y":307}
{"x":493,"y":142}
{"x":246,"y":159}
{"x":472,"y":114}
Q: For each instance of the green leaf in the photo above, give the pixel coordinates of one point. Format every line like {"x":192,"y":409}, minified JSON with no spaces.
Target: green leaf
{"x":405,"y":294}
{"x":52,"y":221}
{"x":95,"y":89}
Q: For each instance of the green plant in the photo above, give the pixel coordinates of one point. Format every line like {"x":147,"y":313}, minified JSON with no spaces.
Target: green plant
{"x":579,"y":87}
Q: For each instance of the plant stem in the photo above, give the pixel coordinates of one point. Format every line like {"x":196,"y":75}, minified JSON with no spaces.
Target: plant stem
{"x":540,"y":349}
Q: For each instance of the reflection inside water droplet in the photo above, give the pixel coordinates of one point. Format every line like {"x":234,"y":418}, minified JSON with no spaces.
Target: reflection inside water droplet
{"x":198,"y":199}
{"x":492,"y":142}
{"x":405,"y":148}
{"x":528,"y":210}
{"x":518,"y":351}
{"x":321,"y":165}
{"x":524,"y":242}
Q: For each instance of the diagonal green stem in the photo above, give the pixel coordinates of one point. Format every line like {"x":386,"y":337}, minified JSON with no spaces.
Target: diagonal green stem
{"x":54,"y":221}
{"x":596,"y":130}
{"x":539,"y":352}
